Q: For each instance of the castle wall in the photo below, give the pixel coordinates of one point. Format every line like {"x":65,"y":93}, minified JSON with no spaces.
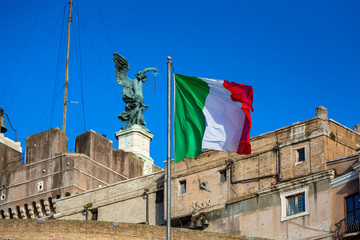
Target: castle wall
{"x":100,"y":149}
{"x":50,"y":172}
{"x":9,"y":156}
{"x":123,"y":202}
{"x":93,"y":230}
{"x":45,"y":145}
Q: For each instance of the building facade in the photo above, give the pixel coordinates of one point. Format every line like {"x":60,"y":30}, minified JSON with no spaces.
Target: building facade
{"x":50,"y":172}
{"x":300,"y":182}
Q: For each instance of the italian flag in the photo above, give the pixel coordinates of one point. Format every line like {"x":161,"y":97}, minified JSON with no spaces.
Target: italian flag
{"x":211,"y":114}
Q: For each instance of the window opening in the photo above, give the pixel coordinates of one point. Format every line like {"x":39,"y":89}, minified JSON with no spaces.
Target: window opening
{"x":94,"y":214}
{"x":301,"y":155}
{"x":159,"y":196}
{"x":183,"y":187}
{"x":222,"y":176}
{"x":295,"y":204}
{"x":36,"y":213}
{"x":353,"y":209}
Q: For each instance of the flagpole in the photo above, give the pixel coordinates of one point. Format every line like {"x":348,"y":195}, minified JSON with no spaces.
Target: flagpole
{"x":168,"y":162}
{"x":67,"y":70}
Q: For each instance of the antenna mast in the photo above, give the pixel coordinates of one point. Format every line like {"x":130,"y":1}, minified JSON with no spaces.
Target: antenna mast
{"x":67,"y":69}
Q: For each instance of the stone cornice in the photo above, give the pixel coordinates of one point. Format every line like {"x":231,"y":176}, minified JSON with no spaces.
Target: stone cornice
{"x":135,"y":128}
{"x":299,"y":182}
{"x":79,"y":155}
{"x":345,"y":178}
{"x":283,"y":128}
{"x":342,"y":158}
{"x":356,"y":166}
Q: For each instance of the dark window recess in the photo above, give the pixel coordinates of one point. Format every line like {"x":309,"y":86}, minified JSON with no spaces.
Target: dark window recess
{"x":182,"y":187}
{"x":94,"y":214}
{"x":301,"y":154}
{"x":353,"y":209}
{"x":159,"y":196}
{"x":222,"y":176}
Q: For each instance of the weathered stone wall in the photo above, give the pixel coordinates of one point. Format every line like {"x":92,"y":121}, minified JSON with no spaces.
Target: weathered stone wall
{"x":9,"y":157}
{"x":87,"y":230}
{"x":263,"y":163}
{"x":123,"y":202}
{"x":343,"y":165}
{"x":341,"y":141}
{"x":126,"y":163}
{"x":273,"y":160}
{"x":63,"y":175}
{"x":45,"y":145}
{"x":100,"y":149}
{"x":50,"y":172}
{"x":261,"y":215}
{"x":95,"y":146}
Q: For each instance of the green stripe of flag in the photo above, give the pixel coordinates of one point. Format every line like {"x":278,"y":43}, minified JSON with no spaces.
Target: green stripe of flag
{"x":190,"y":96}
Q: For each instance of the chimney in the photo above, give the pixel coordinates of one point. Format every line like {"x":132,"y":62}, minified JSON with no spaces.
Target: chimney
{"x":357,"y":128}
{"x":322,"y":112}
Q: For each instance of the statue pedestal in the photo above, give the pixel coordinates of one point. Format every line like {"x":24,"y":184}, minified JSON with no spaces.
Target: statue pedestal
{"x":137,"y":140}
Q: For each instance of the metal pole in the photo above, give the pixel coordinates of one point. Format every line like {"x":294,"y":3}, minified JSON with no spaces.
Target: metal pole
{"x":67,"y":69}
{"x":146,"y":195}
{"x":168,"y":162}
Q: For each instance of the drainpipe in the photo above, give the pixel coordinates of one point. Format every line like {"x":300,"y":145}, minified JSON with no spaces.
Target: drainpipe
{"x":146,"y":195}
{"x":229,"y":165}
{"x":310,"y":154}
{"x":278,"y":154}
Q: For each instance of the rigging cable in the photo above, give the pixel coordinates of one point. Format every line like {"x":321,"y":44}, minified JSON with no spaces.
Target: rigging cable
{"x":103,"y":22}
{"x":34,"y":60}
{"x":22,"y":50}
{"x":77,"y":113}
{"x":101,"y":64}
{"x":46,"y":110}
{"x":59,"y":66}
{"x":80,"y":62}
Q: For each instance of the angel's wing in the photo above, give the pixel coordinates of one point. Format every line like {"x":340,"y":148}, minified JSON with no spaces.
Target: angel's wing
{"x":121,"y":69}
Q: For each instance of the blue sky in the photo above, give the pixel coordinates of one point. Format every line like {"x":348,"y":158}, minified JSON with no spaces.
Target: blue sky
{"x":297,"y":55}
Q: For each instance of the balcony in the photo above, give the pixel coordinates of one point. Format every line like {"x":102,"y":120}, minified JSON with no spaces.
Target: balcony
{"x":348,"y":228}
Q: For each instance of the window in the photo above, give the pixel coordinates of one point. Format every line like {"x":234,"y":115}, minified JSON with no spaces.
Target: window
{"x":294,"y":203}
{"x":222,"y":176}
{"x":300,"y":155}
{"x":40,"y":186}
{"x":353,"y":209}
{"x":183,"y":187}
{"x":159,"y":196}
{"x":94,"y":214}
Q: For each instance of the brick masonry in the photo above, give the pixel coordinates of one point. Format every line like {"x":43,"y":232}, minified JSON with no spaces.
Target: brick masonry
{"x":70,"y":230}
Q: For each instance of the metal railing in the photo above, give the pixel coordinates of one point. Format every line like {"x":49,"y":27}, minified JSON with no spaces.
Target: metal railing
{"x":346,"y":226}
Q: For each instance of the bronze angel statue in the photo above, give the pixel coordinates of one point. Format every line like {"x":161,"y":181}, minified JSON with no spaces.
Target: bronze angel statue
{"x":132,"y":93}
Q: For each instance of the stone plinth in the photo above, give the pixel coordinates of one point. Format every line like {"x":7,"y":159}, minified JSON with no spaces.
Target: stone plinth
{"x":137,"y":140}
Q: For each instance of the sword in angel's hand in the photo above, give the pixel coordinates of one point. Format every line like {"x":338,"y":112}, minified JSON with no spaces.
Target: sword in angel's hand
{"x":155,"y":73}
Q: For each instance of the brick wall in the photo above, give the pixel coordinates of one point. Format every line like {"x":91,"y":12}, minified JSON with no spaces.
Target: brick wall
{"x":68,"y":230}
